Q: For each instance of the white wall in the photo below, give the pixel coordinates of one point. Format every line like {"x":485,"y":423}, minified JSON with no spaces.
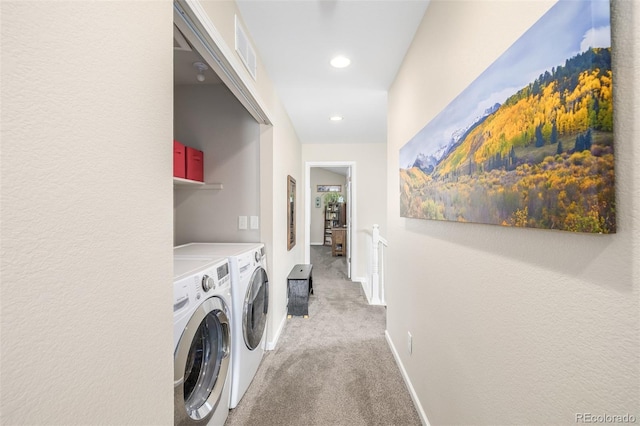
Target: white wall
{"x":286,"y":162}
{"x":223,"y":14}
{"x":371,"y":200}
{"x":210,"y":118}
{"x":322,"y":177}
{"x":279,"y":157}
{"x":86,"y":213}
{"x":87,"y":226}
{"x":512,"y":326}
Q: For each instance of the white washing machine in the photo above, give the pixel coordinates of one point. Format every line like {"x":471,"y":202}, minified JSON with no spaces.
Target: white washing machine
{"x":202,"y":314}
{"x":250,"y":298}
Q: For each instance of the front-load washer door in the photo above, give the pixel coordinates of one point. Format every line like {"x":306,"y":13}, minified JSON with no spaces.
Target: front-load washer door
{"x":256,"y":307}
{"x":201,"y":363}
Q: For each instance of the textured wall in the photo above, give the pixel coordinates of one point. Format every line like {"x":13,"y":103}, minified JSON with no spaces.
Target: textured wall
{"x":210,"y":118}
{"x":223,"y":14}
{"x":86,"y":227}
{"x":286,"y":162}
{"x":512,"y":326}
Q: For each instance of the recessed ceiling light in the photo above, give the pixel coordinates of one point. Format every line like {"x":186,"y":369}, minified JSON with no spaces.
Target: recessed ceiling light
{"x":340,"y":61}
{"x":336,"y":118}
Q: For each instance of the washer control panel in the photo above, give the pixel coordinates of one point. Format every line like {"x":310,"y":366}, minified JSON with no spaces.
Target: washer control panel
{"x":213,"y":278}
{"x":208,"y":283}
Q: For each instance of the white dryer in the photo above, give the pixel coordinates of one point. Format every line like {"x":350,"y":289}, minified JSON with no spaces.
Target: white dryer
{"x":202,"y":340}
{"x":250,"y":298}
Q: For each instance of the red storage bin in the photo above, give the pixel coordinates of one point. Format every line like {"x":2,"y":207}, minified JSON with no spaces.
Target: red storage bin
{"x":195,"y":161}
{"x":179,"y":160}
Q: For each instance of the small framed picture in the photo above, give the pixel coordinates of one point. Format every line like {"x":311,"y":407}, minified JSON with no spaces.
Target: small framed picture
{"x":291,"y":212}
{"x":329,"y":188}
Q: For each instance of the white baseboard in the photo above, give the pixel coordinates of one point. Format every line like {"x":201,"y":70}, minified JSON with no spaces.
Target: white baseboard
{"x":366,"y":288}
{"x":271,"y":345}
{"x":364,"y":283}
{"x":407,"y":381}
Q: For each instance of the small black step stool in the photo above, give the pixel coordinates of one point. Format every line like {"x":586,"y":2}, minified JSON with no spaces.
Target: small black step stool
{"x":299,"y":286}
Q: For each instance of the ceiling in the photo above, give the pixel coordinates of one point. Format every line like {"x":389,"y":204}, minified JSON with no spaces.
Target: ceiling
{"x":296,"y":39}
{"x":337,"y":170}
{"x":183,"y":59}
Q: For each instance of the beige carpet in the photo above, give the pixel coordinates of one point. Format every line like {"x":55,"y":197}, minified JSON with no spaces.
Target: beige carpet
{"x":333,"y":368}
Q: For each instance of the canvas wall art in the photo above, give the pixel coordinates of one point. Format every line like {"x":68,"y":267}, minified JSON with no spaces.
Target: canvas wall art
{"x":530,"y":142}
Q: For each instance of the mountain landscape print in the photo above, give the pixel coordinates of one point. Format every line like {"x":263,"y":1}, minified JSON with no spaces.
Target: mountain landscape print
{"x":530,"y":142}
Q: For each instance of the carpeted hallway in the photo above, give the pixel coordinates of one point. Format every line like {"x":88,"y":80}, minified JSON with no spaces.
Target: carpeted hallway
{"x":333,"y":368}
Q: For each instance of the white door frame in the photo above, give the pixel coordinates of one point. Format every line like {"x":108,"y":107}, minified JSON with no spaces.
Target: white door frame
{"x":352,"y":244}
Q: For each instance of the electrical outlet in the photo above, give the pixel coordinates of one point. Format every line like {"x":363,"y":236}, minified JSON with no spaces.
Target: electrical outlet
{"x":242,"y":222}
{"x":254,"y":222}
{"x":409,"y":342}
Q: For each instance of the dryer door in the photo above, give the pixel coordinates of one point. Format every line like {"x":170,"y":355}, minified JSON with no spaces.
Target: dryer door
{"x":256,"y":306}
{"x":201,"y":362}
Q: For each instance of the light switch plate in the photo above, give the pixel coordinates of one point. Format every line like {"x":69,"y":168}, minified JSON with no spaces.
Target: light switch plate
{"x":254,"y":222}
{"x":242,"y":222}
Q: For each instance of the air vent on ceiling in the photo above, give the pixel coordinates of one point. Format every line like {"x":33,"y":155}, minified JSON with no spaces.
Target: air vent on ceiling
{"x":179,"y":42}
{"x":245,"y":50}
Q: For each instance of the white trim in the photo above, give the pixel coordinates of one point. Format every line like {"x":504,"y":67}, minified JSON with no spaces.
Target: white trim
{"x":317,"y":244}
{"x":307,"y":211}
{"x":271,"y":345}
{"x":377,"y":266}
{"x":364,"y":282}
{"x":407,"y":381}
{"x":368,"y":291}
{"x":188,"y":13}
{"x":183,"y":45}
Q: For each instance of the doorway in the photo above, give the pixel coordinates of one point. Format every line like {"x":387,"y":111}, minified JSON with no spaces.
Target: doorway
{"x":329,"y":213}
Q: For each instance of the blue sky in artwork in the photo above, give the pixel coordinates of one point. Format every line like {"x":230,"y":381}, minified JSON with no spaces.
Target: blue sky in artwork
{"x":568,"y":28}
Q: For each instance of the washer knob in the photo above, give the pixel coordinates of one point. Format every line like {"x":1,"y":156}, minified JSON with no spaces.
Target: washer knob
{"x":257,"y":256}
{"x":207,"y":283}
